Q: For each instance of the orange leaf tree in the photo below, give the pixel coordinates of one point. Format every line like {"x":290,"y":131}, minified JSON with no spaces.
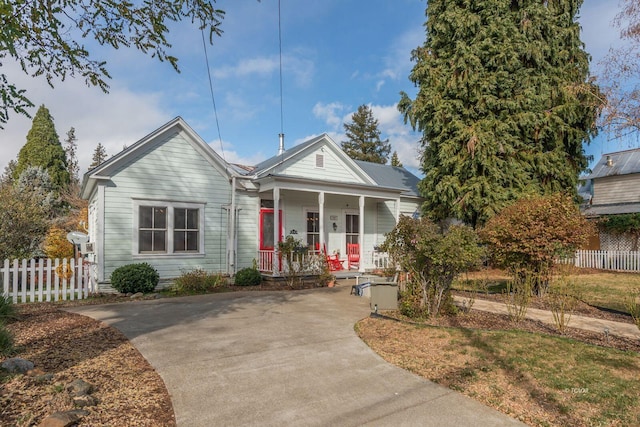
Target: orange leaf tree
{"x":528,"y":236}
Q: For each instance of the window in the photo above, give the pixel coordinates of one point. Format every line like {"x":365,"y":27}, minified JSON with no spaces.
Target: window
{"x":168,"y":228}
{"x":152,"y":236}
{"x":313,"y":230}
{"x":352,"y":228}
{"x":185,"y":230}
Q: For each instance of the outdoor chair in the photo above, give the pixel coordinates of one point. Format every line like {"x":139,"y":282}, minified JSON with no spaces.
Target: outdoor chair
{"x":353,"y":255}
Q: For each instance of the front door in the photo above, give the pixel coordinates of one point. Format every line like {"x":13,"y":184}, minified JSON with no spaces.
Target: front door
{"x":267,"y":227}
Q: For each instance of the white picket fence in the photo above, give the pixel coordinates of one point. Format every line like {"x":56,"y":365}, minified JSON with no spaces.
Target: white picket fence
{"x":607,"y":260}
{"x":46,"y":280}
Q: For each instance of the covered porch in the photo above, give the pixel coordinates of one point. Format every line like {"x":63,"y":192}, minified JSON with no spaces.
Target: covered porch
{"x":327,"y":220}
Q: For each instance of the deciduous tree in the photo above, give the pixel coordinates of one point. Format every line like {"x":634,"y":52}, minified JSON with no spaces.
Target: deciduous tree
{"x":364,"y":138}
{"x":527,"y":236}
{"x":504,"y":105}
{"x":46,"y":37}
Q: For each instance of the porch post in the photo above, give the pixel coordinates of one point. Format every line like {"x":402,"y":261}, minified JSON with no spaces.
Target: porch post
{"x":397,"y":210}
{"x":321,"y":218}
{"x":276,"y":230}
{"x":361,"y":233}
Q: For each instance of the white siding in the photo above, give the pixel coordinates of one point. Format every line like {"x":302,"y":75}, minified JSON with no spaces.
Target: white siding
{"x":170,"y":170}
{"x":616,"y":189}
{"x":247,"y":229}
{"x":334,"y":168}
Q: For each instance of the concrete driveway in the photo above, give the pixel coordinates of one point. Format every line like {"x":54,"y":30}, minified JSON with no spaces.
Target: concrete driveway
{"x":281,"y":358}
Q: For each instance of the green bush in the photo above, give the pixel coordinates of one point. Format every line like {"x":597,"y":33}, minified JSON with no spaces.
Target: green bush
{"x":7,"y":310}
{"x":6,"y":341}
{"x":133,"y":278}
{"x":248,"y":277}
{"x":197,"y":281}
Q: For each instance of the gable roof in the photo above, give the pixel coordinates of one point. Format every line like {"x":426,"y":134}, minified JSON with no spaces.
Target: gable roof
{"x":175,"y":126}
{"x":617,"y":163}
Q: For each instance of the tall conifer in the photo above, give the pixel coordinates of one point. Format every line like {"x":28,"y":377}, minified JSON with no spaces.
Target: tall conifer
{"x":504,"y":103}
{"x":43,"y":149}
{"x":364,"y":138}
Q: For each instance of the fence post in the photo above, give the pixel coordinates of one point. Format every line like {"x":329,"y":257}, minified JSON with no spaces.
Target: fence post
{"x":32,"y":280}
{"x":72,"y":280}
{"x":40,"y":279}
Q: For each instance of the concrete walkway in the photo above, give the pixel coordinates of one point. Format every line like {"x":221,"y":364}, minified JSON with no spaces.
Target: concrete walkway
{"x":281,"y":358}
{"x":621,"y":329}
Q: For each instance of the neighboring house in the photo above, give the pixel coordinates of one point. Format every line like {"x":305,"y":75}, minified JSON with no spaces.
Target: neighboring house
{"x":172,"y":201}
{"x":613,"y":188}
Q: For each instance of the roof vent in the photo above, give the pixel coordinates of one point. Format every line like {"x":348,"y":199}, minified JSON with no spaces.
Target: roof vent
{"x":609,"y":161}
{"x":281,"y":147}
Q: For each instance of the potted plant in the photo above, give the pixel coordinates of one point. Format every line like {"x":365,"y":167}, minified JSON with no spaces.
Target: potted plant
{"x":325,"y":277}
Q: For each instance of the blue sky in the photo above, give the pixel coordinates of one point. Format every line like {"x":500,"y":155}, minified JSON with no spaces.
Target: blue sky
{"x":337,"y":55}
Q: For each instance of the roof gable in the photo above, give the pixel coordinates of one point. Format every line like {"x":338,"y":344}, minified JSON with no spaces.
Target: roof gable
{"x":128,"y":156}
{"x":317,"y":158}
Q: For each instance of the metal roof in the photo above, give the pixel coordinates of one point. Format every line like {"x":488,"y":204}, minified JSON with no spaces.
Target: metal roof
{"x":618,"y":163}
{"x":391,"y":176}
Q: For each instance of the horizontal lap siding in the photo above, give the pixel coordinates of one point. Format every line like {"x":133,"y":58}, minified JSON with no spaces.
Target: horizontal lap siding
{"x":334,"y":169}
{"x":169,"y":170}
{"x":247,"y":230}
{"x":616,"y":189}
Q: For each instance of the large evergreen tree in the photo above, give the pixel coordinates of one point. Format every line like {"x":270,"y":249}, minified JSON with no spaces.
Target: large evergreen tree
{"x":504,"y":103}
{"x":364,"y":138}
{"x":99,"y":156}
{"x":43,"y":149}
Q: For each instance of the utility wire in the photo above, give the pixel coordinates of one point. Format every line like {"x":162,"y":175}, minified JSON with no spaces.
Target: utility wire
{"x":213,"y":99}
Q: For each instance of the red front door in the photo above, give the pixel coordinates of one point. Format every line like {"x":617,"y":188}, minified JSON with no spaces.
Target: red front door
{"x":266,"y":229}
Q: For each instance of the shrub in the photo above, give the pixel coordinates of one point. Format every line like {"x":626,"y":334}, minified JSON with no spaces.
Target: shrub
{"x":433,"y":257}
{"x":6,"y":341}
{"x":7,"y":310}
{"x":197,"y":281}
{"x":248,"y":277}
{"x":135,"y":278}
{"x":528,"y":236}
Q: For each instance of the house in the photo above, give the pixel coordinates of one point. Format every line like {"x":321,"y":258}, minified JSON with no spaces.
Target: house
{"x":170,"y":200}
{"x":613,"y":188}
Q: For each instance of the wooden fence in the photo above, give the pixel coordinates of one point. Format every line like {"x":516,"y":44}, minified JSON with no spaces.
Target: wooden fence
{"x":46,"y":280}
{"x":607,"y":260}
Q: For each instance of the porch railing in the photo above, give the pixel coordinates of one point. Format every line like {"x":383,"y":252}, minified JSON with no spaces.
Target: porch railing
{"x":373,"y":260}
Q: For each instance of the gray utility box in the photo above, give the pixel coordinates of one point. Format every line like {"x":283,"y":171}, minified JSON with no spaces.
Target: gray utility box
{"x":384,"y":296}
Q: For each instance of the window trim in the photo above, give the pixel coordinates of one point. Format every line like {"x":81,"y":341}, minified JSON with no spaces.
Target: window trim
{"x":170,"y":205}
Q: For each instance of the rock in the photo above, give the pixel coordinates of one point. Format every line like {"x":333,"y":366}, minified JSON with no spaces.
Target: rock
{"x":63,"y":419}
{"x":85,"y":400}
{"x":137,"y":295}
{"x":44,"y":378}
{"x":79,"y":387}
{"x":17,"y":365}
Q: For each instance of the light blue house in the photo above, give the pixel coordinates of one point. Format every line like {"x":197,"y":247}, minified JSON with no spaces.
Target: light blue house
{"x":172,"y":201}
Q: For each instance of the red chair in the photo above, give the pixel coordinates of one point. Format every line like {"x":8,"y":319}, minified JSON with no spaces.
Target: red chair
{"x":333,"y":261}
{"x":353,"y":255}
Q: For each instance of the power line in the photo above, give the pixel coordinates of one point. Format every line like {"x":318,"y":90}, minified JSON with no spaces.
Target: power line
{"x":213,"y":99}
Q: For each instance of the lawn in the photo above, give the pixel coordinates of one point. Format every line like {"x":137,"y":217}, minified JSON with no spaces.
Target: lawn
{"x":539,"y":379}
{"x":607,"y":290}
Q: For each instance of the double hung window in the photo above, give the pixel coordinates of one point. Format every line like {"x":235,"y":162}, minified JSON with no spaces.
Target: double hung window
{"x":168,"y":228}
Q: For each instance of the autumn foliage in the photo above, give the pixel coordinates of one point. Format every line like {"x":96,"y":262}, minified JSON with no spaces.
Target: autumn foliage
{"x":529,"y":235}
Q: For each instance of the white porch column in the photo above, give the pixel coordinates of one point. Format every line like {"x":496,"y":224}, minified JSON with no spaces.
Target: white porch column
{"x":361,"y":233}
{"x":276,"y":229}
{"x":321,"y":218}
{"x":397,"y":210}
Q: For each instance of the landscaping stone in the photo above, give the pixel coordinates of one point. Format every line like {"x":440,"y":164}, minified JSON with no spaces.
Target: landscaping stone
{"x":79,"y":387}
{"x":63,"y":419}
{"x":137,"y":295}
{"x":85,"y":400}
{"x":17,"y":365}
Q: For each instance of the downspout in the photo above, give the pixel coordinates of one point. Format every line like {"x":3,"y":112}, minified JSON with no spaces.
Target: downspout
{"x":232,"y":230}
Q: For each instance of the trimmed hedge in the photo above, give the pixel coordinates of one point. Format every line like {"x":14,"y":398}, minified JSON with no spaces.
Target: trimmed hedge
{"x":134,"y":278}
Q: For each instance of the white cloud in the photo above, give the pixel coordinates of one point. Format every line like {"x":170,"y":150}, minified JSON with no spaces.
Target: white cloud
{"x":115,"y":119}
{"x":330,"y":113}
{"x":297,"y":64}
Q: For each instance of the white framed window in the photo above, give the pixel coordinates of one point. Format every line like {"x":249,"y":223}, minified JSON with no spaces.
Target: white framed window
{"x":167,"y":228}
{"x":313,"y":229}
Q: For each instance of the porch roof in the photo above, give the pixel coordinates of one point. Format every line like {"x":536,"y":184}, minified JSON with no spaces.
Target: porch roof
{"x":611,"y":209}
{"x":288,"y":182}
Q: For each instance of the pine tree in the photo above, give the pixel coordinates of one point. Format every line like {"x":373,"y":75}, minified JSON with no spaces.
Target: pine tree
{"x":43,"y":149}
{"x":364,"y":138}
{"x":504,"y":104}
{"x":99,"y":156}
{"x":395,"y":161}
